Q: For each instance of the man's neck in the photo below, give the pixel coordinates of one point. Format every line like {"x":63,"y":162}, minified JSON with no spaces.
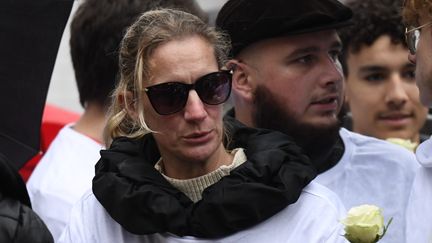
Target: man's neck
{"x":92,"y":122}
{"x":242,"y":114}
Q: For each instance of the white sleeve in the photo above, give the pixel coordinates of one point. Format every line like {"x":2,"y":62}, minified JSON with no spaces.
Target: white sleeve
{"x":331,"y":211}
{"x":79,"y":228}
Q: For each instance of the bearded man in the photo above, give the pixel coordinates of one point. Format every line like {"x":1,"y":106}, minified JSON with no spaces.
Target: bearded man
{"x":287,"y":77}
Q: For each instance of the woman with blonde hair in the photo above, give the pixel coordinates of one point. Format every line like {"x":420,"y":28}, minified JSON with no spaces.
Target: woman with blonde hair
{"x":168,"y":177}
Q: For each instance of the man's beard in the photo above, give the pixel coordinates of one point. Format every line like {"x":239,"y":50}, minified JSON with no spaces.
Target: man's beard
{"x":270,"y":114}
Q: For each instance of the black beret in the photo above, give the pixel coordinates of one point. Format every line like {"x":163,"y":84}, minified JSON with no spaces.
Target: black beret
{"x":248,"y":21}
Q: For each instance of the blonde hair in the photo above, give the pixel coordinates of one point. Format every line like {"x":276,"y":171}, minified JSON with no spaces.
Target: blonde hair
{"x":152,"y":29}
{"x":412,"y":10}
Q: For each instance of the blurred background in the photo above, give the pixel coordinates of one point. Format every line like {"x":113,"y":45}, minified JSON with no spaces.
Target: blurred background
{"x":63,"y":91}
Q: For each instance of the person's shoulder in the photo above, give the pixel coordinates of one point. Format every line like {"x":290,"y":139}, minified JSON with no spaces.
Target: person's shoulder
{"x":68,"y":158}
{"x":424,"y":153}
{"x":317,"y":209}
{"x":318,"y":198}
{"x":86,"y":210}
{"x":325,"y":224}
{"x":88,"y":201}
{"x":68,"y":135}
{"x":377,"y":148}
{"x":90,"y":222}
{"x":367,"y":141}
{"x":64,"y":133}
{"x":90,"y":209}
{"x":320,"y":194}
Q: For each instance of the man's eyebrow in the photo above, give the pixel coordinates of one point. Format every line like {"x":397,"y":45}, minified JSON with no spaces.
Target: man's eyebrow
{"x":372,"y":68}
{"x":304,"y":50}
{"x":377,"y":68}
{"x":309,"y":49}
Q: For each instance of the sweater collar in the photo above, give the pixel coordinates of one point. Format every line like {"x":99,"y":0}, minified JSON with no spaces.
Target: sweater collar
{"x":194,"y":187}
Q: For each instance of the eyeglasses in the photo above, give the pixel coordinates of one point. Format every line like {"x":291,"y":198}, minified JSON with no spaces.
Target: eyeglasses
{"x":412,"y":36}
{"x":169,"y":98}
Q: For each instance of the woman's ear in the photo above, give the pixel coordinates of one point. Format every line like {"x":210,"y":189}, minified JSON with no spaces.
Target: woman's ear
{"x":128,"y":102}
{"x":242,"y":84}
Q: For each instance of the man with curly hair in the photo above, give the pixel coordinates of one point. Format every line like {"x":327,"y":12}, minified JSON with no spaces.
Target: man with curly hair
{"x":380,"y":82}
{"x":417,"y":15}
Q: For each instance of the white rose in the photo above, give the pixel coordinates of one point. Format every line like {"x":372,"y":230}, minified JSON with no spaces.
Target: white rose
{"x":364,"y":224}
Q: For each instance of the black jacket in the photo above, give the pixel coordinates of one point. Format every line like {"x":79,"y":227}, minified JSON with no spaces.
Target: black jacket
{"x":143,"y":202}
{"x":18,"y":223}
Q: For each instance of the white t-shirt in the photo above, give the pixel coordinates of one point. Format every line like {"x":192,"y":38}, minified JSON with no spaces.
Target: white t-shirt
{"x":373,"y":171}
{"x":314,"y":218}
{"x":419,"y":212}
{"x":62,"y":176}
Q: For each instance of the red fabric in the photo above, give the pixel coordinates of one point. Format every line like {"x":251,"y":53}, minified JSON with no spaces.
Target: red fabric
{"x":54,"y":118}
{"x":28,"y":167}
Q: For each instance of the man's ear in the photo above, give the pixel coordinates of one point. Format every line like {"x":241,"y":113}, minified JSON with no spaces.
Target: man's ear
{"x":242,"y":84}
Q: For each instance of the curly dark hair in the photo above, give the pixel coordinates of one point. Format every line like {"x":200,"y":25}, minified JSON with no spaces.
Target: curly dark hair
{"x":97,"y":28}
{"x":371,"y":20}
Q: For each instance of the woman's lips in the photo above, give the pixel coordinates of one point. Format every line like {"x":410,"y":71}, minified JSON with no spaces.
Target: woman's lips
{"x":198,"y":137}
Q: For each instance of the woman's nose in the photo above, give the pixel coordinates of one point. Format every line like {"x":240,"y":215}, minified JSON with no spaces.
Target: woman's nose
{"x":195,"y":108}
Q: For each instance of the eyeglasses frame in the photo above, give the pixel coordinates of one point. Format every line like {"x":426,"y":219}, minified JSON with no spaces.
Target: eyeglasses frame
{"x":408,"y":31}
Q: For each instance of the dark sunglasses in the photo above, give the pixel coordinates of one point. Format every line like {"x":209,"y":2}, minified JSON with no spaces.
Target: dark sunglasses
{"x":169,"y":98}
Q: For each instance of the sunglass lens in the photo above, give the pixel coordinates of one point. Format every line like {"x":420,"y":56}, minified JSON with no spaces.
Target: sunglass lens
{"x":168,"y":98}
{"x":214,"y":88}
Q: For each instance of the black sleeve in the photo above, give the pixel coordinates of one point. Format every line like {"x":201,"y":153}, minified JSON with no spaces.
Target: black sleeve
{"x":19,"y":224}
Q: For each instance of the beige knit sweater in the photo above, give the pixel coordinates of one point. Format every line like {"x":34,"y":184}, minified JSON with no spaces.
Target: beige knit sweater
{"x":194,"y":187}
